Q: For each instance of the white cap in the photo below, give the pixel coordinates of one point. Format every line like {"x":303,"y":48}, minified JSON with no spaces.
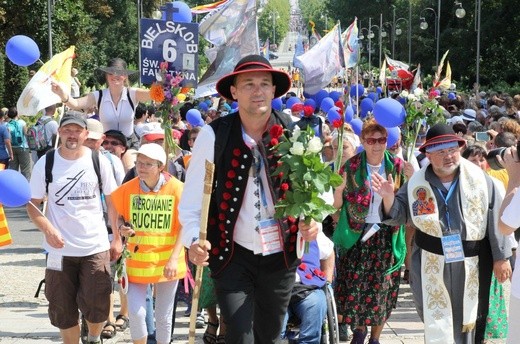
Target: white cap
{"x":152,"y":131}
{"x":153,"y":151}
{"x":95,"y":129}
{"x":469,"y":115}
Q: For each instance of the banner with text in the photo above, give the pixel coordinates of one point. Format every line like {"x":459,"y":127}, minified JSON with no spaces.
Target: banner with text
{"x":176,"y":43}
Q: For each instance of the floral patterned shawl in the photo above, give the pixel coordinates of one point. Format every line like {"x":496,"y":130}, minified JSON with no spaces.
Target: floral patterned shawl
{"x":356,"y":203}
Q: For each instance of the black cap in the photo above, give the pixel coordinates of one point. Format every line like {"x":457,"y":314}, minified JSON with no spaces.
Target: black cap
{"x":117,"y":135}
{"x":73,"y":119}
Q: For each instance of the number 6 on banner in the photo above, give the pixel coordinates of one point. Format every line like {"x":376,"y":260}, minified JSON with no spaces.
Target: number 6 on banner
{"x":169,"y":51}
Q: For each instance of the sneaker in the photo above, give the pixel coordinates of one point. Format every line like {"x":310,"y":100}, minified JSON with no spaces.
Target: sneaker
{"x":343,"y":332}
{"x":373,"y":341}
{"x":359,"y":336}
{"x":200,"y":322}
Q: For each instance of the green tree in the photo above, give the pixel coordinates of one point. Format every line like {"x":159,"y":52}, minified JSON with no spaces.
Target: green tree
{"x":275,"y":12}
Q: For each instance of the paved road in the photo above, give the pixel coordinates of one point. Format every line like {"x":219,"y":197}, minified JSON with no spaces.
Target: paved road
{"x":23,"y":318}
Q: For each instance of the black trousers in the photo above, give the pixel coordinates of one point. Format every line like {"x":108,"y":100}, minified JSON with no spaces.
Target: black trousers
{"x":253,"y":293}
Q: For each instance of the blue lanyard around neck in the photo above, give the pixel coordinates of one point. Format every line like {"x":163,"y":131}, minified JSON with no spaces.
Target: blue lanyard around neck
{"x":451,"y":190}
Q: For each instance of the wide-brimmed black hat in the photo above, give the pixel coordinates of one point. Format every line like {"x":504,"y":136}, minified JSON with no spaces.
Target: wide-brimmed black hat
{"x":117,"y":66}
{"x":439,"y":134}
{"x":254,"y":63}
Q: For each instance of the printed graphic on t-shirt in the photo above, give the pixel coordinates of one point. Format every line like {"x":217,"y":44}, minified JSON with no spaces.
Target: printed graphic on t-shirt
{"x":152,"y":212}
{"x":76,"y":190}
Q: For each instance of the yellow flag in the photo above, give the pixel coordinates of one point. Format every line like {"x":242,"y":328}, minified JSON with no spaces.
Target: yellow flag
{"x":37,"y":94}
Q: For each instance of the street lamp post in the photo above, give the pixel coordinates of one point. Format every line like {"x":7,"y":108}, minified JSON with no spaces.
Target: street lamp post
{"x":274,"y":16}
{"x":477,"y":71}
{"x":324,"y":16}
{"x":424,"y":26}
{"x":398,"y":32}
{"x":49,"y":25}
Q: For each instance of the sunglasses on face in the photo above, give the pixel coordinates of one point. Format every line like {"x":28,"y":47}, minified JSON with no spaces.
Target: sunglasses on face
{"x":112,"y":142}
{"x":372,"y":140}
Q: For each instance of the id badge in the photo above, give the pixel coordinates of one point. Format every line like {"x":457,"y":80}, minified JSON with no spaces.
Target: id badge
{"x":55,"y":261}
{"x":452,"y":248}
{"x":270,"y":237}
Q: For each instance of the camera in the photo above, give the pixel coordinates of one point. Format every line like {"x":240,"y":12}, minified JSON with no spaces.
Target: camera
{"x":491,"y":157}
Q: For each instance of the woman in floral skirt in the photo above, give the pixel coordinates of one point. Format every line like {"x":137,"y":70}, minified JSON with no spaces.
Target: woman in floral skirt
{"x":368,"y":269}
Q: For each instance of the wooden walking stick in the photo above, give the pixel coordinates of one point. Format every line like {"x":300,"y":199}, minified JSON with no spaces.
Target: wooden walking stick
{"x":208,"y":184}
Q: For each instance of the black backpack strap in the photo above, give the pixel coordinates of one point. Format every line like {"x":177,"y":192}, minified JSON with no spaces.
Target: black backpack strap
{"x":95,"y":162}
{"x":130,"y":99}
{"x":49,"y":163}
{"x":100,"y":92}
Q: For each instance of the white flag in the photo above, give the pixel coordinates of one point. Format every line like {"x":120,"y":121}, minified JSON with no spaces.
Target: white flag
{"x":322,"y":61}
{"x":234,"y":45}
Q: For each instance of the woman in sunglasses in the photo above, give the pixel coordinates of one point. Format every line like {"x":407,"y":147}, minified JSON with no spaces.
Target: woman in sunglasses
{"x":370,"y":253}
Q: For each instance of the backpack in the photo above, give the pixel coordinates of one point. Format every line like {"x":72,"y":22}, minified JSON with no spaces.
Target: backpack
{"x":36,"y":136}
{"x":16,"y":133}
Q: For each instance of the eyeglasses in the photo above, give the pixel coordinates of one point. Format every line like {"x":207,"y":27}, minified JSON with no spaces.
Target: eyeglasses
{"x":145,"y":165}
{"x":372,"y":140}
{"x":445,"y":152}
{"x":112,"y":142}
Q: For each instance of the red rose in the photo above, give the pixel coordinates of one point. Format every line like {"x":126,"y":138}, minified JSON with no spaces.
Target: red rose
{"x":284,"y":186}
{"x":308,"y":111}
{"x":276,"y":131}
{"x":274,"y":142}
{"x":337,"y":123}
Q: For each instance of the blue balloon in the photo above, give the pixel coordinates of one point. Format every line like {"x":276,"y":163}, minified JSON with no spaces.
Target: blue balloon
{"x":356,"y":90}
{"x":22,"y":50}
{"x":333,"y":114}
{"x":374,"y":96}
{"x":14,"y":189}
{"x":310,"y":102}
{"x":203,"y":106}
{"x":307,"y":95}
{"x":318,"y":97}
{"x":389,"y":113}
{"x":335,"y":95}
{"x":234,"y":105}
{"x":291,"y":101}
{"x":367,"y":105}
{"x":194,"y":118}
{"x":277,"y":104}
{"x":349,"y":114}
{"x":183,"y":14}
{"x":402,"y":100}
{"x":357,"y":125}
{"x":379,"y":89}
{"x":326,"y":104}
{"x":393,"y":136}
{"x":452,"y":96}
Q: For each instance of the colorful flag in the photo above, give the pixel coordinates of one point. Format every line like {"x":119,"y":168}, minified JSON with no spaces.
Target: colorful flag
{"x":322,"y":61}
{"x":315,"y":36}
{"x":37,"y":94}
{"x":298,"y":50}
{"x":208,"y":8}
{"x":416,"y":79}
{"x":446,"y":82}
{"x":220,"y":25}
{"x":351,"y":44}
{"x":439,"y":69}
{"x":400,"y":69}
{"x":382,"y":74}
{"x":233,"y":44}
{"x":265,"y":49}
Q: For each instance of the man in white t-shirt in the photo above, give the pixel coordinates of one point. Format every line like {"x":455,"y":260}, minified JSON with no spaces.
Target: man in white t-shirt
{"x":78,"y":263}
{"x":509,"y":222}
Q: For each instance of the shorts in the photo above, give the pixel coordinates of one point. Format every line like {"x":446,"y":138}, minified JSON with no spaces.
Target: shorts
{"x":85,"y":284}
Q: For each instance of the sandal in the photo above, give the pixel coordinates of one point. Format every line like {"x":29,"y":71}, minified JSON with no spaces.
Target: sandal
{"x":210,"y":338}
{"x":124,"y":325}
{"x":109,"y":330}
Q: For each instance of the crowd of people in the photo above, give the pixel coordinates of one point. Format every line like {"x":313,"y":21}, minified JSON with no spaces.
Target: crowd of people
{"x":118,"y":201}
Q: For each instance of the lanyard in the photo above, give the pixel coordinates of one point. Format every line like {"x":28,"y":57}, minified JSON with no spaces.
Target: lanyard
{"x":447,"y":198}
